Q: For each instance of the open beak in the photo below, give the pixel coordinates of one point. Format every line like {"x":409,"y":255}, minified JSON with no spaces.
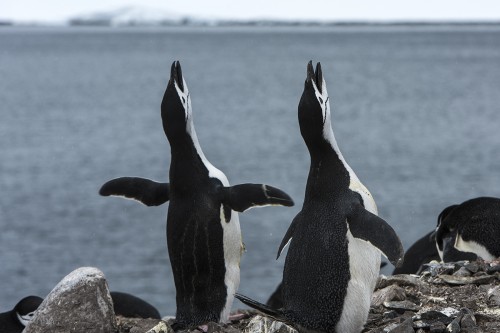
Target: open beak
{"x":176,"y":75}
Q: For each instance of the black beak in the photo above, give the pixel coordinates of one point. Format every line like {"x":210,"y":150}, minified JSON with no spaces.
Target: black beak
{"x":176,"y":75}
{"x":316,"y":76}
{"x":319,"y":77}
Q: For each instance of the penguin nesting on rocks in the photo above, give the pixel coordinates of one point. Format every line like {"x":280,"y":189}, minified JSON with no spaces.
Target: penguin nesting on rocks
{"x":203,"y":231}
{"x":472,"y":227}
{"x":336,"y":240}
{"x":15,"y":320}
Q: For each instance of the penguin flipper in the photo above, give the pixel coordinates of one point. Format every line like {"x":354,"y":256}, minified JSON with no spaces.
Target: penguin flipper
{"x":371,"y":228}
{"x":288,"y":236}
{"x":146,"y":191}
{"x":265,"y":309}
{"x":244,"y":196}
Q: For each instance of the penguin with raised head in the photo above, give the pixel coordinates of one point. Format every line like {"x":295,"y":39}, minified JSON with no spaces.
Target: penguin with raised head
{"x":336,"y":240}
{"x":15,"y":320}
{"x":473,"y":226}
{"x":203,"y":231}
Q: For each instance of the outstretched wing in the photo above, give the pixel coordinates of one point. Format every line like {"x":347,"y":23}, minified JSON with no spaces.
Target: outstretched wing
{"x":244,"y":196}
{"x":371,"y":228}
{"x":146,"y":191}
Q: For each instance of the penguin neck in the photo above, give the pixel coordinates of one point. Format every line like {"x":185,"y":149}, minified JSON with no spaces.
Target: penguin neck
{"x":188,"y":159}
{"x":329,"y":172}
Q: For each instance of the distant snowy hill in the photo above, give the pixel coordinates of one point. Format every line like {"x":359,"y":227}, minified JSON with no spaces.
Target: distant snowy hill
{"x":134,"y":16}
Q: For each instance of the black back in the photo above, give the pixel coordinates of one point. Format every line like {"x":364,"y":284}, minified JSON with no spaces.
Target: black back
{"x":194,"y":231}
{"x":421,"y":252}
{"x":131,"y":306}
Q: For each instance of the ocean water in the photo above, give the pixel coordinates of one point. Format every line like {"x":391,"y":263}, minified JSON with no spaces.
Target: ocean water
{"x":416,"y":113}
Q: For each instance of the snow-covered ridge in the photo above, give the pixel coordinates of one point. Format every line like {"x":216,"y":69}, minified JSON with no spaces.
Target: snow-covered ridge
{"x":132,"y":16}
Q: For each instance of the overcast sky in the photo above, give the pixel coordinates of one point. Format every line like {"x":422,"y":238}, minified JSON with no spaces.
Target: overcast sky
{"x":46,"y":10}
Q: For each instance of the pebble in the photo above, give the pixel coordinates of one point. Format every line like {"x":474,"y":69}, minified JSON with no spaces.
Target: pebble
{"x":462,"y":271}
{"x":260,"y":324}
{"x":437,"y":327}
{"x":462,"y":280}
{"x":162,"y":327}
{"x":494,"y":295}
{"x":400,"y":280}
{"x":453,"y":327}
{"x":468,"y":321}
{"x":402,"y":305}
{"x":387,"y":294}
{"x":405,"y":327}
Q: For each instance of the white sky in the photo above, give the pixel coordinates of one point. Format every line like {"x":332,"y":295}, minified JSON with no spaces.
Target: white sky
{"x":44,"y":10}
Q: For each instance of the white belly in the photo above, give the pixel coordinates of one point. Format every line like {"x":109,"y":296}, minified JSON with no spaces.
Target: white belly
{"x":233,"y":248}
{"x":364,"y":269}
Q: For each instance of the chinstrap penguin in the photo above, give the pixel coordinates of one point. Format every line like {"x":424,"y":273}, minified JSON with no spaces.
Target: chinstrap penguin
{"x":203,"y":231}
{"x":15,"y":320}
{"x":473,"y":226}
{"x":336,"y":240}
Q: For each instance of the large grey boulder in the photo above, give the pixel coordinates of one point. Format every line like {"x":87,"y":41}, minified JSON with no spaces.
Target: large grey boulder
{"x":79,"y":303}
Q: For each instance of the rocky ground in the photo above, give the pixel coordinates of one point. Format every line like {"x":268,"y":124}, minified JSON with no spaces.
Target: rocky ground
{"x":459,"y":297}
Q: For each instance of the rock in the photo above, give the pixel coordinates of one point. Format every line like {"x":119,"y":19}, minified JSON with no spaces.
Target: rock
{"x":473,"y":266}
{"x":161,"y":327}
{"x":494,"y":295}
{"x":468,"y":321}
{"x":437,"y":327}
{"x":449,"y":312}
{"x":434,"y":268}
{"x":387,"y":294}
{"x":493,"y":269}
{"x":391,"y":314}
{"x":405,"y":327}
{"x":472,"y":330}
{"x":400,"y":280}
{"x":453,"y":327}
{"x":462,"y":272}
{"x":79,"y":303}
{"x":432,"y":315}
{"x":460,"y":280}
{"x":402,"y":305}
{"x":260,"y":324}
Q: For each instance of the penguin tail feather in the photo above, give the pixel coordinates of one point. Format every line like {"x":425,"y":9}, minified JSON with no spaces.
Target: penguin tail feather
{"x":265,"y":309}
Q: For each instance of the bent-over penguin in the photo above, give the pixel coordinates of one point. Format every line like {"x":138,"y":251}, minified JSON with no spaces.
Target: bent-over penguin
{"x":336,"y":240}
{"x":15,"y":320}
{"x":424,"y":250}
{"x":203,"y":231}
{"x":473,"y":226}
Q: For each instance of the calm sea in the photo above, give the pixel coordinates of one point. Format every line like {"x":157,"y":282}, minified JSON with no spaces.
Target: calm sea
{"x":416,"y":112}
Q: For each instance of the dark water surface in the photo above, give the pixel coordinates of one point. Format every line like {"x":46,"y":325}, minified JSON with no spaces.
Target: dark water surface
{"x":416,"y":113}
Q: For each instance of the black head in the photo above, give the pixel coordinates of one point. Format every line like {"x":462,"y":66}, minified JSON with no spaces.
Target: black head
{"x":176,"y":105}
{"x":314,"y":109}
{"x":446,"y":234}
{"x":25,"y":308}
{"x":445,"y":230}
